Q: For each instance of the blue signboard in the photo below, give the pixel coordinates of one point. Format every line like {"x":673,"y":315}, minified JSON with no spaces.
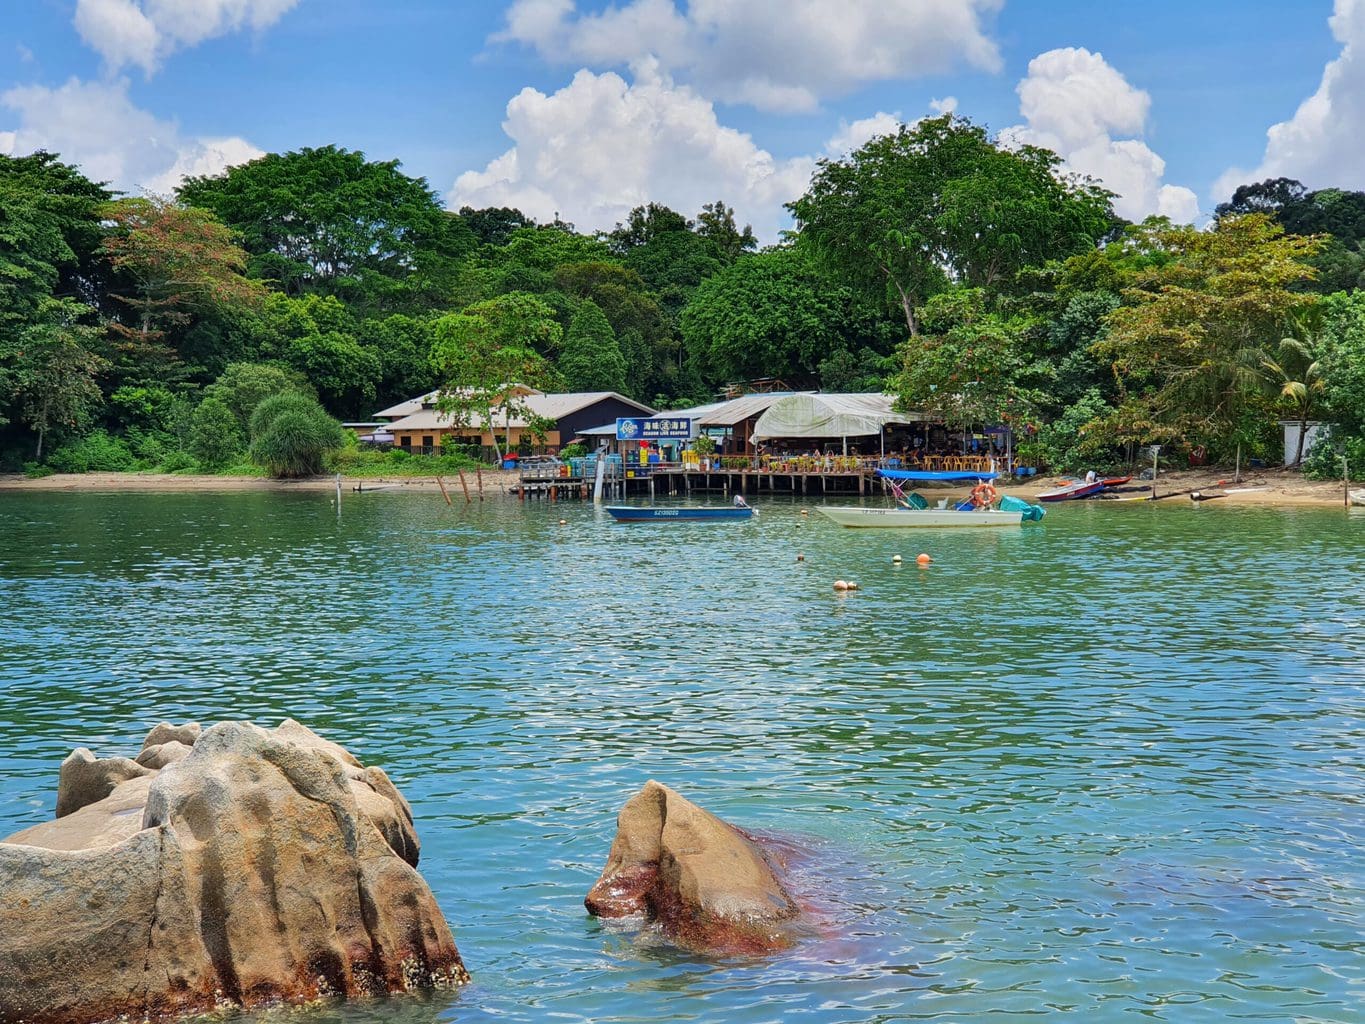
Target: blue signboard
{"x":653,"y":428}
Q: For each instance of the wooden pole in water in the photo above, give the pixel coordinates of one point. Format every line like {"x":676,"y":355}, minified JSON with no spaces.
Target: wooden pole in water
{"x":479,"y":472}
{"x":1345,"y":481}
{"x":441,"y":484}
{"x":338,"y":495}
{"x":464,"y":484}
{"x":1156,"y":451}
{"x":1237,"y":473}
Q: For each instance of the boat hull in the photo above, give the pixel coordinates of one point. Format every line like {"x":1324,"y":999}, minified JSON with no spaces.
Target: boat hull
{"x":919,"y":518}
{"x":632,"y":514}
{"x":1357,"y":497}
{"x":1081,"y":490}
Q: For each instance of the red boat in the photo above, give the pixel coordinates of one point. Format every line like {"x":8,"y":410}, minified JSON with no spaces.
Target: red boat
{"x":1114,"y":481}
{"x":1079,"y":489}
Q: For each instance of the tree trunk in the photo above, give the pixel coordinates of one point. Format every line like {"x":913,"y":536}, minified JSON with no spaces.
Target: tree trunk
{"x":907,"y":305}
{"x":1303,"y":429}
{"x":38,"y":455}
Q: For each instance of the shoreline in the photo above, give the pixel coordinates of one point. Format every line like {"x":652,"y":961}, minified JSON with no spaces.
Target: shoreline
{"x":1280,"y":488}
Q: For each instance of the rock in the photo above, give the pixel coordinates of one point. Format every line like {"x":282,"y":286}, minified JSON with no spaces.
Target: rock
{"x":706,"y":884}
{"x":84,"y":779}
{"x":162,"y":754}
{"x":168,"y":733}
{"x":262,"y":866}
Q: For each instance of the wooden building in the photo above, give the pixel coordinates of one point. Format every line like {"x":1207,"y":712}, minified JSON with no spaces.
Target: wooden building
{"x":417,"y":425}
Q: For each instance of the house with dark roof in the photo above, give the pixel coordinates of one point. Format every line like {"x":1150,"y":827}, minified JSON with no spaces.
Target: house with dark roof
{"x":418,"y":425}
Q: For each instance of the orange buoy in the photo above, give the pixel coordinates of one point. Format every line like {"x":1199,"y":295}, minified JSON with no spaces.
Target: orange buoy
{"x":923,"y":559}
{"x":840,"y":585}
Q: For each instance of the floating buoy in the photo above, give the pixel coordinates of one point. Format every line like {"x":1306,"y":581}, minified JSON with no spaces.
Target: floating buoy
{"x":805,"y":511}
{"x":895,"y":559}
{"x":563,"y":522}
{"x":923,"y":559}
{"x":800,"y":557}
{"x":840,"y":585}
{"x":852,"y":585}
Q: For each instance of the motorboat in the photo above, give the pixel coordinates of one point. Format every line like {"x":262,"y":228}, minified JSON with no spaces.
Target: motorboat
{"x":1078,"y":489}
{"x":661,"y":514}
{"x":911,"y":510}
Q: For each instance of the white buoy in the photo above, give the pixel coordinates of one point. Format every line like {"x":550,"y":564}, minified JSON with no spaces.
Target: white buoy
{"x":895,"y":559}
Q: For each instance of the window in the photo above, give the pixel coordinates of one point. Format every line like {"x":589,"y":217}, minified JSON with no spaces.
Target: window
{"x":428,"y":441}
{"x":405,"y":441}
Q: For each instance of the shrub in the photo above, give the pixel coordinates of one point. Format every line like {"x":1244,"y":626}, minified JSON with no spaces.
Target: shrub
{"x":291,"y":435}
{"x":1323,"y":462}
{"x":215,"y":438}
{"x":34,"y":471}
{"x":98,"y":452}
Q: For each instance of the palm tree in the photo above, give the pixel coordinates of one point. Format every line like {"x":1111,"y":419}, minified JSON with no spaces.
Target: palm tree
{"x":1297,"y":371}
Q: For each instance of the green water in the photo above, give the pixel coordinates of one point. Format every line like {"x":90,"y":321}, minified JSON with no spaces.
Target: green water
{"x":1103,"y":767}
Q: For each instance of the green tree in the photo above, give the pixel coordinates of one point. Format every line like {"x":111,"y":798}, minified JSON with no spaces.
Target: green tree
{"x":486,"y":355}
{"x":215,"y":436}
{"x":243,"y":386}
{"x":644,"y":224}
{"x":971,"y":366}
{"x":1188,"y":346}
{"x":772,"y":314}
{"x":716,"y":224}
{"x":939,"y":200}
{"x":291,"y":435}
{"x":592,"y":360}
{"x":494,"y":225}
{"x":58,"y":371}
{"x":327,"y":219}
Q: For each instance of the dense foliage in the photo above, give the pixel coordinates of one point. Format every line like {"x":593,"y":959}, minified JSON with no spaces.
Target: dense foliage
{"x":977,"y":281}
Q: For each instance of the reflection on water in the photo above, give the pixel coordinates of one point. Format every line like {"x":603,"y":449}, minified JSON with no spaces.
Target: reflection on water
{"x":1103,"y":765}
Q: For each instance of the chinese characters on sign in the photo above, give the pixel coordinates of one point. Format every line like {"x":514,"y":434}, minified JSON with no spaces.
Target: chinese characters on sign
{"x":656,"y":428}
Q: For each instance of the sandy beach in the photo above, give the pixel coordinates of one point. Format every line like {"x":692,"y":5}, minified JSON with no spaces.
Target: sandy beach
{"x":1264,"y":487}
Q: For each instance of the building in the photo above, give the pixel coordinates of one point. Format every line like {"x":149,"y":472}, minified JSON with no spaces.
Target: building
{"x":417,"y":425}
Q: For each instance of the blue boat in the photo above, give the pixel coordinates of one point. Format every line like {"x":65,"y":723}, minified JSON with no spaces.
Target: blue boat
{"x":651,"y":514}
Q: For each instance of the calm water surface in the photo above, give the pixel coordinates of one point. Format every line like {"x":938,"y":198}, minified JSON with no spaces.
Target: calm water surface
{"x":1106,"y":767}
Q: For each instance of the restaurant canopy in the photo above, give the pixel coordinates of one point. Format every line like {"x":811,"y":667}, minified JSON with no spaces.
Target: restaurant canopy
{"x":829,"y":416}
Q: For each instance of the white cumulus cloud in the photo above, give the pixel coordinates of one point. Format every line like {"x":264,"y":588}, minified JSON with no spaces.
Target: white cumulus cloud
{"x":780,"y":55}
{"x":98,"y":127}
{"x":601,"y":146}
{"x":1078,"y":105}
{"x":853,"y":135}
{"x":143,"y":33}
{"x":1323,"y":144}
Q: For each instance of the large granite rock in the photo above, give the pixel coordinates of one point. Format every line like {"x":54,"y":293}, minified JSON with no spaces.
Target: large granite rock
{"x":706,"y":884}
{"x":258,"y":866}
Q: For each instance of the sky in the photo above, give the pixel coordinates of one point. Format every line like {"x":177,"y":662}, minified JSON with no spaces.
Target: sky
{"x":585,"y":109}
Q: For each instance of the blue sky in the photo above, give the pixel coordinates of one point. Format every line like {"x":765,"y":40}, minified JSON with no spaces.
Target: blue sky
{"x":687,"y":100}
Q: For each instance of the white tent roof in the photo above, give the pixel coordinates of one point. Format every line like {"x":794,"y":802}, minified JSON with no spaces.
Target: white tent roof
{"x":829,"y":415}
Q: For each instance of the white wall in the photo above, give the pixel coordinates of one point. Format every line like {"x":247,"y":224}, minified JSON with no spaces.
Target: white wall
{"x":1291,"y":437}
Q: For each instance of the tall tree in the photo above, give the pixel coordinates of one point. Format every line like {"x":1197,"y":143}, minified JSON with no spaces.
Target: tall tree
{"x":1195,"y":331}
{"x":495,"y":224}
{"x":939,"y":200}
{"x":592,"y":360}
{"x":325,"y":219}
{"x":176,"y":262}
{"x":716,"y":223}
{"x":971,"y":366}
{"x":59,"y":371}
{"x":772,"y":314}
{"x":488,"y":354}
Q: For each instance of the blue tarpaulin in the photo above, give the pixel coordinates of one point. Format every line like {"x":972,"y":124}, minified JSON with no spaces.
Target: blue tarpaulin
{"x":925,"y":475}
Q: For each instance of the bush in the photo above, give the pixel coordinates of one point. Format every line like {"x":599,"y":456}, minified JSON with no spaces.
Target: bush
{"x":1323,"y":462}
{"x":34,"y":471}
{"x":291,"y":435}
{"x":178,"y":461}
{"x":1066,"y":445}
{"x":98,"y":452}
{"x":215,"y":438}
{"x":573,"y":451}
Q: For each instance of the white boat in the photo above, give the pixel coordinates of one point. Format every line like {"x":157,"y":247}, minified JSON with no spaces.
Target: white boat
{"x":1357,"y":497}
{"x":912,"y":510}
{"x":901,"y":517}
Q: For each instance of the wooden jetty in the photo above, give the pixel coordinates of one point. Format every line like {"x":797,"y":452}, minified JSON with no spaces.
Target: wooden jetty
{"x":674,"y":479}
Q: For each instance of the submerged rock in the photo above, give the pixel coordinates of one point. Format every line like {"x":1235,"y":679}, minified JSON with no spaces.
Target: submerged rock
{"x":259,"y":866}
{"x":706,"y":884}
